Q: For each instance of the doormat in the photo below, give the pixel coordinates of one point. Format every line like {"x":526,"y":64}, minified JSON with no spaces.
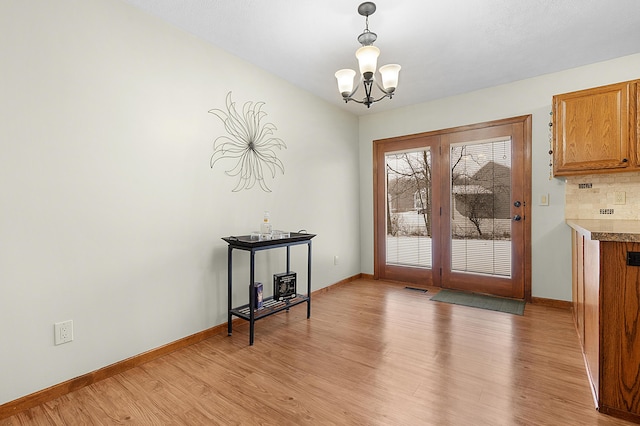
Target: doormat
{"x":482,"y":301}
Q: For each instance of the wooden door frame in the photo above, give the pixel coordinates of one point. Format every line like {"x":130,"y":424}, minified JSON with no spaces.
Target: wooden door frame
{"x":381,"y":146}
{"x":389,"y":272}
{"x":512,"y":286}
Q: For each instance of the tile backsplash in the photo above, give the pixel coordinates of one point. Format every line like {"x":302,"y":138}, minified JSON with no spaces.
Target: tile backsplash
{"x":594,"y":196}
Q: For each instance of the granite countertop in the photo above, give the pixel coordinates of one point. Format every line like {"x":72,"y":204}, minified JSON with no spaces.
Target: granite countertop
{"x":608,"y":230}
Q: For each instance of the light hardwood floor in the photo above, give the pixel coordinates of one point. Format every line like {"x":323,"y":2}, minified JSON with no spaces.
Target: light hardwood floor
{"x":372,"y":353}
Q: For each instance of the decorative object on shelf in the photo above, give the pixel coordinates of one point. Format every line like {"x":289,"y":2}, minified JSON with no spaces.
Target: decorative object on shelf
{"x":265,"y":227}
{"x":258,"y":288}
{"x":368,"y":60}
{"x":278,"y":235}
{"x":249,"y":142}
{"x":284,"y":285}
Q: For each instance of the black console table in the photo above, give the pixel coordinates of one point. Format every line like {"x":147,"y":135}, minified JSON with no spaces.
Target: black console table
{"x":270,"y":306}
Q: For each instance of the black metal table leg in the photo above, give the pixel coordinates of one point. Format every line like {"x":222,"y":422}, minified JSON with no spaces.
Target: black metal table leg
{"x":288,"y":259}
{"x":309,"y":281}
{"x":229,"y":274}
{"x":252,"y":298}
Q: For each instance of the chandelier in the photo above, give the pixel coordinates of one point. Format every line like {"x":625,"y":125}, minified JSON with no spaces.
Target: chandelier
{"x":368,"y":60}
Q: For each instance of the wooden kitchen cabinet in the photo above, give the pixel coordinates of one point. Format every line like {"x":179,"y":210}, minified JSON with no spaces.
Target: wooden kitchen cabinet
{"x":578,"y":282}
{"x":591,"y":315}
{"x":606,"y":303}
{"x":596,"y":130}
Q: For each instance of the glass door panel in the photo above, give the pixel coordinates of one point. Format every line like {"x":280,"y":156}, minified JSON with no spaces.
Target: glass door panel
{"x":408,"y":210}
{"x":480,"y":217}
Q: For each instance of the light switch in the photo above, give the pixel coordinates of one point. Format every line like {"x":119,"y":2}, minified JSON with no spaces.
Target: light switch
{"x":544,"y":200}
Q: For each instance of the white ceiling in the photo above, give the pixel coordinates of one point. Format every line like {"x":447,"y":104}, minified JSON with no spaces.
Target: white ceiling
{"x":445,"y":47}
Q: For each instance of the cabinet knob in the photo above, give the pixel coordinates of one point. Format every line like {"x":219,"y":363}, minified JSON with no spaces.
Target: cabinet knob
{"x":624,"y":160}
{"x":517,"y":218}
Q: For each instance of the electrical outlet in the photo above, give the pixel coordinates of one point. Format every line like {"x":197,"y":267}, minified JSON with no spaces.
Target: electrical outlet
{"x":619,"y":197}
{"x":63,"y":332}
{"x":335,"y":260}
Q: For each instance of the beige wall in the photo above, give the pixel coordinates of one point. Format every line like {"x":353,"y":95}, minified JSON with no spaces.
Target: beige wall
{"x":111,"y":215}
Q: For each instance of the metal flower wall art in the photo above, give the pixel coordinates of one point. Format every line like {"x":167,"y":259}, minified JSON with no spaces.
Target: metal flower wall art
{"x":249,"y":144}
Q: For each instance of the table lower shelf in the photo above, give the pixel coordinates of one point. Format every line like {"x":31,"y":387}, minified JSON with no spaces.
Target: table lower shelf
{"x":269,"y":307}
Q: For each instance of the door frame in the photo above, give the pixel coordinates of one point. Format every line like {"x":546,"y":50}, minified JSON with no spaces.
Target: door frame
{"x":433,"y":277}
{"x":381,"y":269}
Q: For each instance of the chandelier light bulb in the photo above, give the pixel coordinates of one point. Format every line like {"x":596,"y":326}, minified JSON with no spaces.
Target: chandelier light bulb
{"x":345,"y":81}
{"x":390,"y":75}
{"x":368,"y":60}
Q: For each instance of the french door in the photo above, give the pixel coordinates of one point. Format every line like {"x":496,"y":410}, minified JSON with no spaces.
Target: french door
{"x":451,"y":208}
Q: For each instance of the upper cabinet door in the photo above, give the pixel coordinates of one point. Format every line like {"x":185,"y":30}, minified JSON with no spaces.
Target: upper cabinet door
{"x":592,"y":130}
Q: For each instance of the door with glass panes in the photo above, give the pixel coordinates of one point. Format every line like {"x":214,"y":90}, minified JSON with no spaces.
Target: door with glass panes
{"x":451,"y":211}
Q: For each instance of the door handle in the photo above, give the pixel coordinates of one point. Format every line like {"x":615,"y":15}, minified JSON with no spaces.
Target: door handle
{"x":517,"y":218}
{"x":517,"y":204}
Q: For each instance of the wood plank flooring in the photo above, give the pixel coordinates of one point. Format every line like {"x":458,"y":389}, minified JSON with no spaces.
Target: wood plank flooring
{"x":373,"y":353}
